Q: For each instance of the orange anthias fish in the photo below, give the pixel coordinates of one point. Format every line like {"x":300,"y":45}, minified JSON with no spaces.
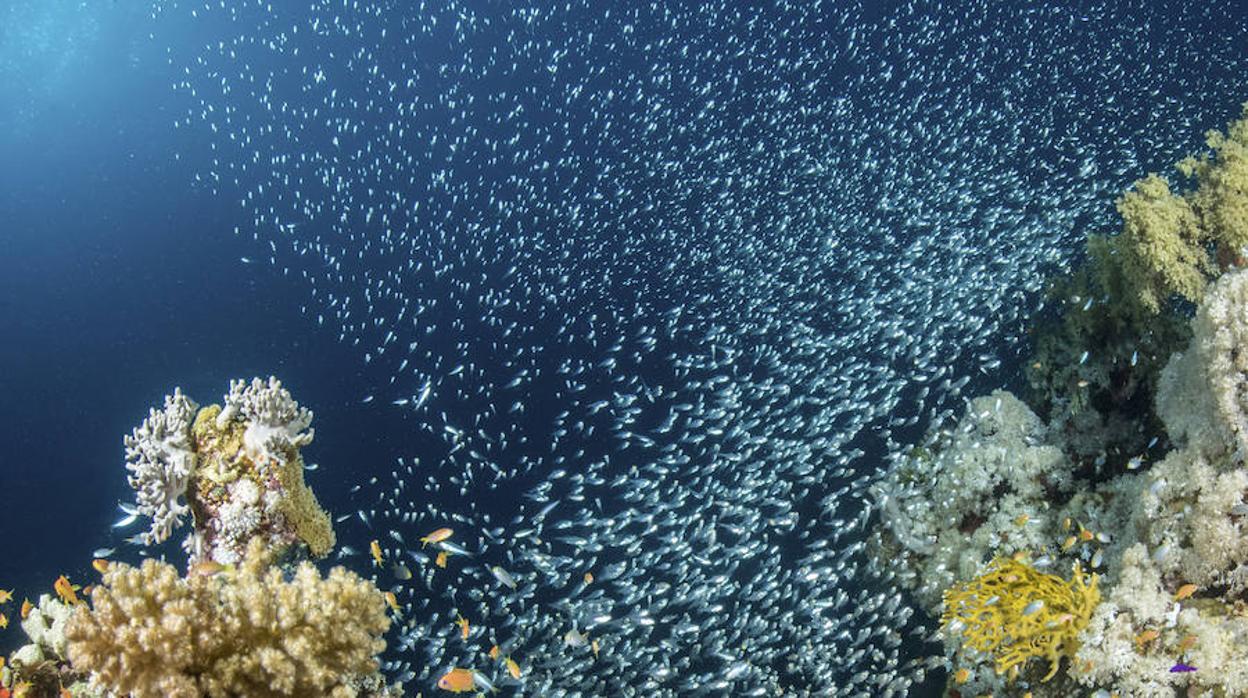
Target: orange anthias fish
{"x":440,"y":560}
{"x":6,"y":596}
{"x":26,"y":606}
{"x":375,"y":549}
{"x":458,"y":680}
{"x":66,"y":591}
{"x":4,"y":621}
{"x":392,"y":601}
{"x":437,"y":536}
{"x":463,"y":627}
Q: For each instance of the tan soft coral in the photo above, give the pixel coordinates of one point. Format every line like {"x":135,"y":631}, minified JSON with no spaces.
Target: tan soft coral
{"x":1161,"y":248}
{"x":1221,"y":201}
{"x":249,"y":632}
{"x":1173,"y":244}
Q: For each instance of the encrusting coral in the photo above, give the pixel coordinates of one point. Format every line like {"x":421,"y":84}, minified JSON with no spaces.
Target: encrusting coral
{"x":221,"y":632}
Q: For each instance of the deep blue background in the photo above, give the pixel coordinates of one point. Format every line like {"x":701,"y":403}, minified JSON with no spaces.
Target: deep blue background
{"x":118,"y":281}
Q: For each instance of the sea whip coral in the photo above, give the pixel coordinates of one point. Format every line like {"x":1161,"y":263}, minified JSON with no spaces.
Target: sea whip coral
{"x":161,"y":460}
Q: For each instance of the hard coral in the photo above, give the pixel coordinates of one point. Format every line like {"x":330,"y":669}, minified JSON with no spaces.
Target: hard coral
{"x":1014,"y":613}
{"x":249,"y":632}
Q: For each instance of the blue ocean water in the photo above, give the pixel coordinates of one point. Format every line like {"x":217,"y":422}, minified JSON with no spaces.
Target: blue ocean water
{"x":118,"y":281}
{"x":126,"y":269}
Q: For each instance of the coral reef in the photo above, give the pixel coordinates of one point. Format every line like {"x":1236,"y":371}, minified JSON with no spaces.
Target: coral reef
{"x":982,"y":488}
{"x":238,"y":467}
{"x":1002,"y":494}
{"x":1170,"y":538}
{"x":243,"y":632}
{"x":237,"y":624}
{"x":1114,"y":322}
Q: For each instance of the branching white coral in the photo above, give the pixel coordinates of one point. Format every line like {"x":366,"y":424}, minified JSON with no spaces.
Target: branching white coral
{"x":160,"y":456}
{"x":1203,"y":393}
{"x":981,"y":488}
{"x":275,"y":422}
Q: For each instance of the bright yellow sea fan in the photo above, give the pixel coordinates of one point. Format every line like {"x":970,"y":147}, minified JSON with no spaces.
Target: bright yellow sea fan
{"x":1014,"y":612}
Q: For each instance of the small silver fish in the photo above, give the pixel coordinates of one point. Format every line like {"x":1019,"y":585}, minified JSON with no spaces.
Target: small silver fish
{"x":503,"y":577}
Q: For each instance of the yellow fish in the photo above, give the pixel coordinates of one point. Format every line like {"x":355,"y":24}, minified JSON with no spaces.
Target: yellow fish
{"x":6,"y":596}
{"x":458,"y":680}
{"x":66,"y":591}
{"x":437,"y":536}
{"x":375,"y":549}
{"x":392,"y":600}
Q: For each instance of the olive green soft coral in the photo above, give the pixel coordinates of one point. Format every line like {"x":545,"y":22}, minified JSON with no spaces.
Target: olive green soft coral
{"x":1161,"y":248}
{"x":1014,"y":612}
{"x":1172,"y":244}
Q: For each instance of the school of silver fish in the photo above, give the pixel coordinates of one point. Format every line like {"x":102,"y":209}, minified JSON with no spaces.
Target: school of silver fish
{"x":660,"y":284}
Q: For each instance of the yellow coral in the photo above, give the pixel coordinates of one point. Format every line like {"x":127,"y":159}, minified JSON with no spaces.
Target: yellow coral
{"x":299,"y":506}
{"x":1221,"y":200}
{"x":151,"y":633}
{"x":1014,"y":612}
